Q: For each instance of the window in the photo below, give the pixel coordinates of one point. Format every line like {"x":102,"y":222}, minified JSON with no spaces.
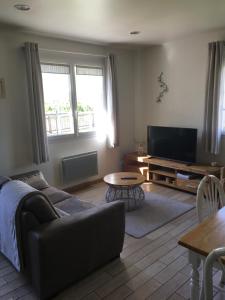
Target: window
{"x":73,"y":96}
{"x":57,"y":97}
{"x":89,"y":93}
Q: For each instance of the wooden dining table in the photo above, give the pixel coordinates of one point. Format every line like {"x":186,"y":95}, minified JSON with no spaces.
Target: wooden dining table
{"x":200,"y":241}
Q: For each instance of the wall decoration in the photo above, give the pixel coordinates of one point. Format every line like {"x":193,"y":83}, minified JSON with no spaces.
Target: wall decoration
{"x":163,"y":87}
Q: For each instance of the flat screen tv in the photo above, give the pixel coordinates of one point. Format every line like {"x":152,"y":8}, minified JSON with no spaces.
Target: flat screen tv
{"x":172,"y":143}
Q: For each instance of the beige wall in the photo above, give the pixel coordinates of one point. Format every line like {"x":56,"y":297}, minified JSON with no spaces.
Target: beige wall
{"x":184,"y":64}
{"x":15,"y":134}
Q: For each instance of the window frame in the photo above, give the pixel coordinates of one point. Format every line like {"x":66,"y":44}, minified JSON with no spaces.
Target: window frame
{"x":71,"y":61}
{"x":71,"y":102}
{"x":93,"y":132}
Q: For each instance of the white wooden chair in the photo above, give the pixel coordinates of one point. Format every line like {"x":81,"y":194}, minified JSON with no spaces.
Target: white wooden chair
{"x":222,"y":177}
{"x":213,"y":258}
{"x":210,"y":198}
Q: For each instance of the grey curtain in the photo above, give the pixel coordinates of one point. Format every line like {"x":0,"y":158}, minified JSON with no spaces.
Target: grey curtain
{"x":214,"y":97}
{"x":36,"y":99}
{"x":111,"y":103}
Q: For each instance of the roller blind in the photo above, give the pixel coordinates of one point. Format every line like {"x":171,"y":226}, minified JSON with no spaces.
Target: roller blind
{"x":93,"y":71}
{"x":55,"y":69}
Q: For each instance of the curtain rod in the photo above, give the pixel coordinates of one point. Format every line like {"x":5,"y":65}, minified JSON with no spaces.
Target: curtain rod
{"x":71,"y":52}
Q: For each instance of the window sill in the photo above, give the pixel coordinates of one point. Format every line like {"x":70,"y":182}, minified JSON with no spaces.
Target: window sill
{"x":61,"y":137}
{"x":87,"y":134}
{"x":72,"y":136}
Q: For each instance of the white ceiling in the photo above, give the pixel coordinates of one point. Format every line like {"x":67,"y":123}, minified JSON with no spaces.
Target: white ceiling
{"x":110,"y":21}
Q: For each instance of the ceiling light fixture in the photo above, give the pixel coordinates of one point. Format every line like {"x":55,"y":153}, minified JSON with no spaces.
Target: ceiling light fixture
{"x":134,"y":32}
{"x":23,"y":7}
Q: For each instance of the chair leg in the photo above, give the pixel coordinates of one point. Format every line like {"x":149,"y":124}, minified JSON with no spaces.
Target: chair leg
{"x":202,"y":293}
{"x":194,"y":282}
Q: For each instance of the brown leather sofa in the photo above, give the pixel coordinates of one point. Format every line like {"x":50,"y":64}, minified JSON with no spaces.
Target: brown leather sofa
{"x":58,"y":251}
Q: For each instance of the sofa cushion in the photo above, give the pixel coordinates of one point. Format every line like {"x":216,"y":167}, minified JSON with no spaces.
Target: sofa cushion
{"x":61,"y":213}
{"x":34,"y":178}
{"x":55,"y":195}
{"x":73,"y":205}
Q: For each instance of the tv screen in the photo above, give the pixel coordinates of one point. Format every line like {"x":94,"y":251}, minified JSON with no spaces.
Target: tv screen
{"x":172,"y":143}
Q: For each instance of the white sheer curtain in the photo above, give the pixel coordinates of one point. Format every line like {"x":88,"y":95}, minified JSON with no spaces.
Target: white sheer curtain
{"x":36,"y":99}
{"x":214,"y":97}
{"x":111,"y":103}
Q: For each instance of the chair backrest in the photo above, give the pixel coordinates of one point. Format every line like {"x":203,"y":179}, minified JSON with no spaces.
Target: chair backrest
{"x":214,"y":255}
{"x":222,"y":181}
{"x":210,"y":197}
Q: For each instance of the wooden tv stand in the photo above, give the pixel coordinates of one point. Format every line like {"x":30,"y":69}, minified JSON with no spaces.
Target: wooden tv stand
{"x":166,"y":172}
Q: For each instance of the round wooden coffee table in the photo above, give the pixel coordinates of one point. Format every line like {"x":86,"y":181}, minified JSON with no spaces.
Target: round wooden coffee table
{"x":125,"y":186}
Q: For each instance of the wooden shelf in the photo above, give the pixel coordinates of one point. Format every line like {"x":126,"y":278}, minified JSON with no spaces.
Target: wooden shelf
{"x":132,"y":162}
{"x":132,"y":168}
{"x":182,"y":188}
{"x":188,"y":182}
{"x":164,"y":172}
{"x":192,"y":168}
{"x":134,"y":158}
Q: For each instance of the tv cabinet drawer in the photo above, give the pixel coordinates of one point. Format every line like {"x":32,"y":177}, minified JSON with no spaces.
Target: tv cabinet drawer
{"x":189,"y":183}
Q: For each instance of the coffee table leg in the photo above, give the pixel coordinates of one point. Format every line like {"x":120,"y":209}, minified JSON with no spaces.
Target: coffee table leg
{"x":139,"y":196}
{"x":110,"y":194}
{"x":128,"y":199}
{"x":133,"y":196}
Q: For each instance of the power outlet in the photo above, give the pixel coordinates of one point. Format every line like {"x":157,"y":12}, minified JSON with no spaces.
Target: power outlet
{"x":2,"y":88}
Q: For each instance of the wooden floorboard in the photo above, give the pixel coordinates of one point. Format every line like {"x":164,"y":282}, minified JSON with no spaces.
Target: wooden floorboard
{"x":153,"y":267}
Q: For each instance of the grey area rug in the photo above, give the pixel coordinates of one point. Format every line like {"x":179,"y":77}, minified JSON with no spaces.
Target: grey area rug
{"x":156,"y":211}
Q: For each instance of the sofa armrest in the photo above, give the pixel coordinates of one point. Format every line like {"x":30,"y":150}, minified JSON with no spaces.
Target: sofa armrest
{"x":66,"y":249}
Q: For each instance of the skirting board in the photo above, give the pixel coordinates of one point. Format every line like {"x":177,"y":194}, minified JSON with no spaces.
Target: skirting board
{"x":82,"y":185}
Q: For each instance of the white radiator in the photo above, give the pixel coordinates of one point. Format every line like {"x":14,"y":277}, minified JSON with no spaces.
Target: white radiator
{"x":79,"y":166}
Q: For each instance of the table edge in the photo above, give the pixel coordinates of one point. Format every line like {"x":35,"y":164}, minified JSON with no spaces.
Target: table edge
{"x":196,"y":250}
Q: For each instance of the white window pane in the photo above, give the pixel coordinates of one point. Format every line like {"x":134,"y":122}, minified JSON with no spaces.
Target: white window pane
{"x":57,"y":97}
{"x":89,"y":91}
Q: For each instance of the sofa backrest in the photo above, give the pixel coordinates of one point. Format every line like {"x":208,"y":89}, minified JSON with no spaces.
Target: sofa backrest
{"x":33,"y":178}
{"x":35,"y":211}
{"x":37,"y":204}
{"x":41,"y":208}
